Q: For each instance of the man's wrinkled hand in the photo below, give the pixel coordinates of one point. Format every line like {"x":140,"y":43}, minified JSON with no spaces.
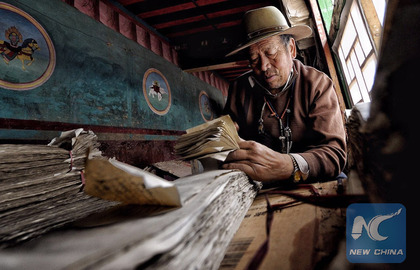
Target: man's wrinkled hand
{"x":260,"y":162}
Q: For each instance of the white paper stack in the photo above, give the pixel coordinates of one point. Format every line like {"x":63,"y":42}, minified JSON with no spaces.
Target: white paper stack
{"x":194,"y":236}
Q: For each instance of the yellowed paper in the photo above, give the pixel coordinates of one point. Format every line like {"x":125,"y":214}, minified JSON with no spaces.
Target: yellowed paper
{"x":116,"y":181}
{"x":211,"y":138}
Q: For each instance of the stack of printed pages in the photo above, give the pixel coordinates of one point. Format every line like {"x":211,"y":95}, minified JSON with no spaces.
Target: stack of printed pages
{"x":122,"y":217}
{"x":214,"y":139}
{"x":193,"y":235}
{"x":40,"y":186}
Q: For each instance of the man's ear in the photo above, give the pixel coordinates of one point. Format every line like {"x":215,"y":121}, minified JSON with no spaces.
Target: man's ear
{"x":292,"y":47}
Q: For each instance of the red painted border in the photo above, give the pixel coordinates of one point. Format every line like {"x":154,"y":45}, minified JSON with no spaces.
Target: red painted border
{"x":7,"y":123}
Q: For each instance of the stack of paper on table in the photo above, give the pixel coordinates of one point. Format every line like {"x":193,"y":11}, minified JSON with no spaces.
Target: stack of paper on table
{"x":184,"y":224}
{"x":213,"y":139}
{"x":194,"y":236}
{"x":40,"y":186}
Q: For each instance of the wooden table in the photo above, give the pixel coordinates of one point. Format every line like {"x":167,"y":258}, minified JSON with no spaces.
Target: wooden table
{"x":303,"y":236}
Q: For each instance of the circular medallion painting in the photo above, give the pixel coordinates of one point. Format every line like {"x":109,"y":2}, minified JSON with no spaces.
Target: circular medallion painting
{"x":157,"y":92}
{"x":205,"y":106}
{"x":27,"y":55}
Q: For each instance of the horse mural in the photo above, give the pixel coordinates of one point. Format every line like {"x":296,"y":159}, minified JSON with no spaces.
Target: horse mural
{"x":29,"y":46}
{"x":11,"y":49}
{"x":23,"y":53}
{"x":156,"y":89}
{"x":27,"y":54}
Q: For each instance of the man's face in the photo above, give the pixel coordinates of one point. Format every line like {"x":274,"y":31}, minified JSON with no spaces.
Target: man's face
{"x":272,"y":61}
{"x":13,"y":38}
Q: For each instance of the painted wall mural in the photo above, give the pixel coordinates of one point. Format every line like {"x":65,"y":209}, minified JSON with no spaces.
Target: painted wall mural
{"x":205,"y":106}
{"x":156,"y":91}
{"x":136,"y":102}
{"x":27,"y":52}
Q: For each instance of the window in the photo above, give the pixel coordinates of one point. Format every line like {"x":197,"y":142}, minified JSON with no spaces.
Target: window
{"x":357,"y":49}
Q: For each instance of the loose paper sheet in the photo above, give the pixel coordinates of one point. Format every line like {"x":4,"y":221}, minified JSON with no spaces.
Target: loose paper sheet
{"x":117,"y":181}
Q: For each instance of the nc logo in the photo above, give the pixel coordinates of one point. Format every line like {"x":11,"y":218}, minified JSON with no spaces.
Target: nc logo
{"x":372,"y":227}
{"x":385,"y":224}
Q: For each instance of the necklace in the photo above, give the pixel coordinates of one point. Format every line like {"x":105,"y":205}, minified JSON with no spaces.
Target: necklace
{"x":285,"y":131}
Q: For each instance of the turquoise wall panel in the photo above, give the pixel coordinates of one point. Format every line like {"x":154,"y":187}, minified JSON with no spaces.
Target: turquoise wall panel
{"x":98,"y":77}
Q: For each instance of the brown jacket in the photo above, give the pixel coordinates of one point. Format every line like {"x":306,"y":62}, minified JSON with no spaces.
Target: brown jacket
{"x":316,"y":121}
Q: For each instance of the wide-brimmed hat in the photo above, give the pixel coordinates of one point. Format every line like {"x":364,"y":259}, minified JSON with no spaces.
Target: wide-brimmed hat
{"x":265,"y":22}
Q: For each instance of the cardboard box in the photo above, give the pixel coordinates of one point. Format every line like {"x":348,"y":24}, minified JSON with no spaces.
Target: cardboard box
{"x":303,"y":236}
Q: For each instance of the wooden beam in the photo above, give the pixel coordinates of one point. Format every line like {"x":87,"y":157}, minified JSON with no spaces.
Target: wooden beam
{"x":176,"y":8}
{"x":20,"y":124}
{"x":179,"y":22}
{"x":225,"y":7}
{"x":129,"y":2}
{"x":166,"y":10}
{"x":216,"y":23}
{"x":372,"y":18}
{"x":322,"y":35}
{"x":200,"y":17}
{"x":121,"y":9}
{"x":218,"y":66}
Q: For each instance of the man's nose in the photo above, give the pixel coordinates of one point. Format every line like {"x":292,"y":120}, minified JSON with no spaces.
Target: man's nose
{"x":265,"y":63}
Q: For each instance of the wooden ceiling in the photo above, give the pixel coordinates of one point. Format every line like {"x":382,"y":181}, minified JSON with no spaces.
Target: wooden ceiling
{"x":201,"y":31}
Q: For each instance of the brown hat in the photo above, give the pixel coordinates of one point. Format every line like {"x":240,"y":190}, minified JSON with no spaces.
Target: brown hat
{"x":265,"y":22}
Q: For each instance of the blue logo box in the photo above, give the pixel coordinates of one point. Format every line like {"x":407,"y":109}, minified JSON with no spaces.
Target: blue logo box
{"x":376,"y":233}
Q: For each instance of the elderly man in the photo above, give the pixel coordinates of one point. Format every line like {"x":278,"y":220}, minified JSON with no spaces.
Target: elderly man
{"x":287,"y":113}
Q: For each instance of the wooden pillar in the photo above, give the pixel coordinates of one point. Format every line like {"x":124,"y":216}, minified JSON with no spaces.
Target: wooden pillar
{"x":175,"y":59}
{"x":326,"y":50}
{"x":166,"y":51}
{"x":143,"y":37}
{"x":155,"y":45}
{"x":108,"y":16}
{"x":202,"y":76}
{"x":88,"y":7}
{"x":373,"y":22}
{"x":206,"y":77}
{"x":127,"y":27}
{"x":212,"y":79}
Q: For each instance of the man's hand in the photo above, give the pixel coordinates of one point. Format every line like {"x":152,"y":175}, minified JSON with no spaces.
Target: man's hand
{"x":260,"y":162}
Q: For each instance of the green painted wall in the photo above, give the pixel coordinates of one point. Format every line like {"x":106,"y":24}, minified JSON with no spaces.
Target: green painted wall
{"x":327,"y":8}
{"x":98,"y":78}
